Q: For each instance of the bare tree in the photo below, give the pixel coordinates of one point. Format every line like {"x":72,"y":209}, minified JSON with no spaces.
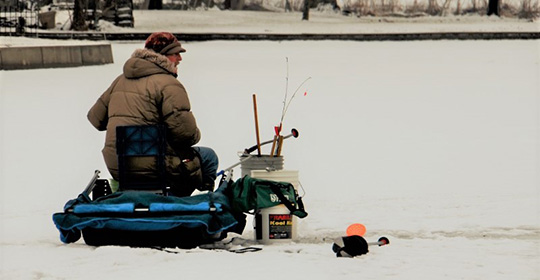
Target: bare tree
{"x":288,"y":6}
{"x":433,"y":7}
{"x":155,"y":5}
{"x":79,"y":16}
{"x":493,"y":8}
{"x":305,"y":10}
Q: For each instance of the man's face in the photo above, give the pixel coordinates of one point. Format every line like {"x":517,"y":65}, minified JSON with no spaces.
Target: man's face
{"x":175,"y":58}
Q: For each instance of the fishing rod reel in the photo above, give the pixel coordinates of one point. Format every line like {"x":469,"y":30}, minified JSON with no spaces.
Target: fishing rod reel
{"x":294,"y":133}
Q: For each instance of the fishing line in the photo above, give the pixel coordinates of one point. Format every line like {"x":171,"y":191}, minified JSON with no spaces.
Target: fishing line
{"x":286,"y":103}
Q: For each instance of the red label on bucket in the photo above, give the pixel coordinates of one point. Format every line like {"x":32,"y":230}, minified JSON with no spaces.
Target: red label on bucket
{"x":280,"y":226}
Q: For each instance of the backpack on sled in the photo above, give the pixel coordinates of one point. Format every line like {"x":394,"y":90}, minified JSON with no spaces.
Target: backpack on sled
{"x":143,"y":219}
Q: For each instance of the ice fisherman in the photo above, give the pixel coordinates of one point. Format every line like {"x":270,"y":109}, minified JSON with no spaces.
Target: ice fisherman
{"x":146,"y":93}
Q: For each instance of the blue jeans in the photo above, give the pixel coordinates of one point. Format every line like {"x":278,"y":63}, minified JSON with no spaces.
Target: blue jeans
{"x":209,"y":163}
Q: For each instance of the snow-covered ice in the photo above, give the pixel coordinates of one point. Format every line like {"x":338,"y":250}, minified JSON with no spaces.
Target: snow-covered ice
{"x":433,"y":144}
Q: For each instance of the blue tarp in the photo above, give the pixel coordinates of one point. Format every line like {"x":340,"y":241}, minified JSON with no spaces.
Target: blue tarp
{"x":146,"y":212}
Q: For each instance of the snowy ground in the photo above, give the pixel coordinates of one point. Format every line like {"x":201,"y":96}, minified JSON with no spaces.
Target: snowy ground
{"x":433,"y":144}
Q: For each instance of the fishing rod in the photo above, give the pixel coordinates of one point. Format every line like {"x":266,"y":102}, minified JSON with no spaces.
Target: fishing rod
{"x":277,"y":142}
{"x":294,"y":133}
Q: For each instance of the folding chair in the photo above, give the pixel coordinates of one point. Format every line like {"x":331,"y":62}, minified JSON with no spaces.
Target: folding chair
{"x":134,"y":142}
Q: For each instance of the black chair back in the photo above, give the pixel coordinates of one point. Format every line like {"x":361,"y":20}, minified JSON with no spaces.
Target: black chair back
{"x":134,"y":142}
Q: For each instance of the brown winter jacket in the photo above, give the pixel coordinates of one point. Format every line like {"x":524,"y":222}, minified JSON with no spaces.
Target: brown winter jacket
{"x":148,"y":93}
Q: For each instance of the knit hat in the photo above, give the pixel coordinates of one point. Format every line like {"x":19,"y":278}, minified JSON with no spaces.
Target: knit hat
{"x":163,"y":43}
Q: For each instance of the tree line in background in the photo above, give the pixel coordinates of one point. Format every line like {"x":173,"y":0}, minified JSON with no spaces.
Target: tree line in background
{"x":87,"y":13}
{"x":529,"y":9}
{"x":120,"y":11}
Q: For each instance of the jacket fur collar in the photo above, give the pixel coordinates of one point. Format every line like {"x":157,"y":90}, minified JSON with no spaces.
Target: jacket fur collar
{"x":139,"y":69}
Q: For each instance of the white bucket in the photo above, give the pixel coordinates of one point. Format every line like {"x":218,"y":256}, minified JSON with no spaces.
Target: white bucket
{"x":276,"y":224}
{"x":263,"y":162}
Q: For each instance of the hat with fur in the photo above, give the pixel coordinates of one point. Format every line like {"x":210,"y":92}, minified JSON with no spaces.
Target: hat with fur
{"x":164,"y":43}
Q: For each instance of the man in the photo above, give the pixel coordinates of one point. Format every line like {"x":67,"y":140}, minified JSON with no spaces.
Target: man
{"x":148,"y":93}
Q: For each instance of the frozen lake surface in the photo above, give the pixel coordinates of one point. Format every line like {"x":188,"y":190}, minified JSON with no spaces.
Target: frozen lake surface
{"x":433,"y":144}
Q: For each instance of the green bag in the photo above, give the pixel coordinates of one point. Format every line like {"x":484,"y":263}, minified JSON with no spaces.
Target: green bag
{"x":249,"y":194}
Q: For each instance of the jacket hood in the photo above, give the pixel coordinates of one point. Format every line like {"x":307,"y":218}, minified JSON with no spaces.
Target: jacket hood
{"x":145,"y":62}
